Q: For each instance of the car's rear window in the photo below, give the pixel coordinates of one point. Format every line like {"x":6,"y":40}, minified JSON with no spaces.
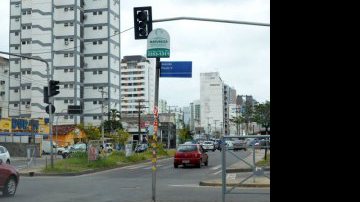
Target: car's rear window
{"x":187,"y":148}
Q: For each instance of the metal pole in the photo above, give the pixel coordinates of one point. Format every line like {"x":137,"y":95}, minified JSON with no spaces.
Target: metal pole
{"x":168,"y":136}
{"x":102,"y":116}
{"x":212,"y":20}
{"x":139,"y":122}
{"x":157,"y":75}
{"x":254,"y":167}
{"x":223,"y":149}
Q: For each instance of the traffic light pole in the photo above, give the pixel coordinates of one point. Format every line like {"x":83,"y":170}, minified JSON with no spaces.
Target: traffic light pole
{"x":157,"y":75}
{"x":50,"y":99}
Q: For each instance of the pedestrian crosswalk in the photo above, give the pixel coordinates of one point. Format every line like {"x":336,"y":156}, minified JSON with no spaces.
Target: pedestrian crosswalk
{"x":214,"y":170}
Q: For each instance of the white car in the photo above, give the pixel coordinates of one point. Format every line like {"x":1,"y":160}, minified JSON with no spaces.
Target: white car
{"x":4,"y":155}
{"x":208,"y":145}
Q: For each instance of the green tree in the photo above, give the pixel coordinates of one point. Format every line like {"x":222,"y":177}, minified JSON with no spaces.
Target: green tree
{"x":248,"y":114}
{"x":238,"y":121}
{"x":114,"y":123}
{"x":184,"y":135}
{"x":92,"y":132}
{"x":122,"y":136}
{"x":262,"y":115}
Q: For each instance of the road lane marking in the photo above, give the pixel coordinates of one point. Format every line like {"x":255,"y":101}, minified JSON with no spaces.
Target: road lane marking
{"x":217,"y":172}
{"x":216,"y":167}
{"x":231,"y":176}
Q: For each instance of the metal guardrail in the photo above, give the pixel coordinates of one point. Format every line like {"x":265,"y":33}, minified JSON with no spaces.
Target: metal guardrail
{"x":255,"y":170}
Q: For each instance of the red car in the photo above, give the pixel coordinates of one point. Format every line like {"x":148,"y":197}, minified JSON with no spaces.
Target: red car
{"x":190,"y":154}
{"x":9,"y":179}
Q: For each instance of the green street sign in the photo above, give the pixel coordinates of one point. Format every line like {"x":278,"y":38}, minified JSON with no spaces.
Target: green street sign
{"x":158,"y":44}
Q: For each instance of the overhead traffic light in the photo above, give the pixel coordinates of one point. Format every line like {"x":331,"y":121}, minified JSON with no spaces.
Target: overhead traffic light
{"x":54,"y":87}
{"x":142,"y":22}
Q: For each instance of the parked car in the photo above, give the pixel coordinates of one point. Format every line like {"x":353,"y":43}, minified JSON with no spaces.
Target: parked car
{"x":79,"y":147}
{"x":251,"y":142}
{"x":108,"y":147}
{"x":141,"y":148}
{"x":192,"y":154}
{"x":239,"y":145}
{"x":208,"y":145}
{"x":9,"y":179}
{"x":60,"y":150}
{"x":229,"y":144}
{"x":4,"y":155}
{"x":46,"y":148}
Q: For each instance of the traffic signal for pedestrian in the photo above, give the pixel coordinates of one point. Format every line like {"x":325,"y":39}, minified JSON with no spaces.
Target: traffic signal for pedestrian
{"x":46,"y":95}
{"x":54,"y":88}
{"x":142,"y":22}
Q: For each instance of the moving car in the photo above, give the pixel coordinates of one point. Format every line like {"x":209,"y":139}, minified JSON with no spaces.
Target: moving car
{"x":239,"y":145}
{"x":9,"y":179}
{"x":192,"y":154}
{"x":208,"y":145}
{"x":4,"y":155}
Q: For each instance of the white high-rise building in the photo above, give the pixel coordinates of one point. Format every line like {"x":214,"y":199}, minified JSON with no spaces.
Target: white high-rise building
{"x":137,"y":84}
{"x":4,"y":87}
{"x":211,"y":100}
{"x":80,"y":39}
{"x":195,"y":109}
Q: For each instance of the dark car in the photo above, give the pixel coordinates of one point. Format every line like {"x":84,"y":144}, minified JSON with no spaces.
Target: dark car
{"x":9,"y":179}
{"x":192,"y":154}
{"x":239,"y":145}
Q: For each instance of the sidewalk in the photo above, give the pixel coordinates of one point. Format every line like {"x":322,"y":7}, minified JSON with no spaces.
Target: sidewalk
{"x":239,"y":171}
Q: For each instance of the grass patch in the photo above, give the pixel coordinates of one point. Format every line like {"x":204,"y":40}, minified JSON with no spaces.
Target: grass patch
{"x":79,"y":161}
{"x":264,"y":162}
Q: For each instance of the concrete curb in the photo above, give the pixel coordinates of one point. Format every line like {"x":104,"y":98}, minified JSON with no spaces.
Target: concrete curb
{"x":35,"y":172}
{"x":239,"y":170}
{"x":219,"y":184}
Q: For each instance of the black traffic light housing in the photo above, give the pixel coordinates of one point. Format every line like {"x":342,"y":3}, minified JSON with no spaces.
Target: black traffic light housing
{"x":54,"y":87}
{"x":142,"y":22}
{"x":46,"y":95}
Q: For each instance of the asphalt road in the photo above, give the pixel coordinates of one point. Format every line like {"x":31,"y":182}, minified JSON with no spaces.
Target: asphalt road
{"x":133,"y":183}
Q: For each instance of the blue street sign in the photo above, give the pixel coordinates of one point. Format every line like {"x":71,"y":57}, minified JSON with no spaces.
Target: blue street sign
{"x":182,"y":69}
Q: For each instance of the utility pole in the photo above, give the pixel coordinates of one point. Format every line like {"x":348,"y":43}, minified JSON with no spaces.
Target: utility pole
{"x":169,"y":128}
{"x":215,"y":125}
{"x":208,"y":125}
{"x":139,"y":118}
{"x":102,"y":116}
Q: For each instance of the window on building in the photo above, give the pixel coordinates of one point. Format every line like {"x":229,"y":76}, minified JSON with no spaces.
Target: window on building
{"x":66,"y":55}
{"x":16,"y":76}
{"x":71,"y":39}
{"x":100,"y":27}
{"x":94,"y":28}
{"x":24,"y":12}
{"x":94,"y":58}
{"x":23,"y":87}
{"x":94,"y":13}
{"x":71,"y":54}
{"x":28,"y":42}
{"x":66,"y":24}
{"x":100,"y":42}
{"x":71,"y":70}
{"x":66,"y":40}
{"x":16,"y":47}
{"x":94,"y":72}
{"x":94,"y":87}
{"x":28,"y":72}
{"x":66,"y":70}
{"x":23,"y":27}
{"x":94,"y":102}
{"x":100,"y":57}
{"x":17,"y":19}
{"x":71,"y":8}
{"x":71,"y":24}
{"x":66,"y":117}
{"x":28,"y":12}
{"x":23,"y":72}
{"x":16,"y":105}
{"x":16,"y":33}
{"x":16,"y":90}
{"x":94,"y":117}
{"x":17,"y":5}
{"x":28,"y":87}
{"x":65,"y":85}
{"x":66,"y":9}
{"x":71,"y":101}
{"x":16,"y":61}
{"x":100,"y":72}
{"x":100,"y":12}
{"x":28,"y":27}
{"x":66,"y":101}
{"x":71,"y":85}
{"x":23,"y":42}
{"x":100,"y":102}
{"x":94,"y":42}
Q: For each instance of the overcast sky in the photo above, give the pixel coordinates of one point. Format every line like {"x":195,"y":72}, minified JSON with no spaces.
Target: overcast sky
{"x":240,"y":53}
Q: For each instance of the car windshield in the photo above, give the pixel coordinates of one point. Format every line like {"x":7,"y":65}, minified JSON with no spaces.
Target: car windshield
{"x":187,"y":148}
{"x":208,"y":142}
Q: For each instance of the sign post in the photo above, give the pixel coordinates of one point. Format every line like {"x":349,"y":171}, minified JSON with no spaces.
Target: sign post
{"x":158,"y":46}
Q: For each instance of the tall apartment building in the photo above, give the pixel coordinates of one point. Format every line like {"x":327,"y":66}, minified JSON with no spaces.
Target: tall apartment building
{"x":212,"y":101}
{"x":229,"y":98}
{"x":137,"y":84}
{"x":195,"y":114}
{"x":162,"y":106}
{"x":4,"y":87}
{"x":81,"y":42}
